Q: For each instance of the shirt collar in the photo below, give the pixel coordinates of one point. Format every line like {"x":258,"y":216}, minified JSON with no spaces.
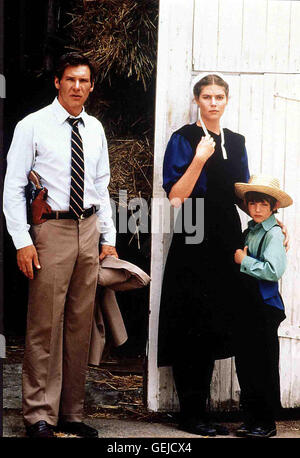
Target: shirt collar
{"x":62,"y":114}
{"x":267,"y":224}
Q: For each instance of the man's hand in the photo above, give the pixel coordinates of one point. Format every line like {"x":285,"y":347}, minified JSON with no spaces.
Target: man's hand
{"x":25,"y":257}
{"x":240,"y":254}
{"x":108,"y":250}
{"x":286,"y":242}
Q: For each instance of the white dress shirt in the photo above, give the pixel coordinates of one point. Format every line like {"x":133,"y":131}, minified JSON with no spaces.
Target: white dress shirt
{"x":42,"y":141}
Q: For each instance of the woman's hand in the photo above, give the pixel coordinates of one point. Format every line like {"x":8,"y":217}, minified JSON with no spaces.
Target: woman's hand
{"x":183,"y":188}
{"x":240,"y":254}
{"x":286,"y":242}
{"x":205,"y":148}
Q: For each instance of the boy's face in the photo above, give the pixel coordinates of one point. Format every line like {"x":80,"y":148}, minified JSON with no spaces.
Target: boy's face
{"x":259,"y":211}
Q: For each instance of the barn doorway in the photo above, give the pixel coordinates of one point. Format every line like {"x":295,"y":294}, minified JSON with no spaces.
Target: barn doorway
{"x":123,"y":100}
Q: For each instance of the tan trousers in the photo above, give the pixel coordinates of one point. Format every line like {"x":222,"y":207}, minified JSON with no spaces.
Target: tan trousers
{"x":60,"y":312}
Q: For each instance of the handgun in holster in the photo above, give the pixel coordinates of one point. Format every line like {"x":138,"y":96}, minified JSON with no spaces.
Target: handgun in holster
{"x":37,"y":199}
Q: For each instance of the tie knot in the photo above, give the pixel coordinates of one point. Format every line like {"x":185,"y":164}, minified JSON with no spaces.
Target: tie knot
{"x":74,"y":121}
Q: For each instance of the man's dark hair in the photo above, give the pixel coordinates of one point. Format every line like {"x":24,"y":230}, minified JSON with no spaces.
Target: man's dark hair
{"x":73,"y":59}
{"x":253,"y":196}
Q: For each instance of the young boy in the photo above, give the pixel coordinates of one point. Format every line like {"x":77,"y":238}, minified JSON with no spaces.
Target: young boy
{"x":262,"y":263}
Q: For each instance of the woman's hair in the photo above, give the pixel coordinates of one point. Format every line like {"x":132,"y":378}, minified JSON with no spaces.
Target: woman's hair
{"x":207,"y":81}
{"x":253,"y":196}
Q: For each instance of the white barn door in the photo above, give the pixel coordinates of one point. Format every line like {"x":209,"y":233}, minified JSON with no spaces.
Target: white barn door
{"x":255,"y":43}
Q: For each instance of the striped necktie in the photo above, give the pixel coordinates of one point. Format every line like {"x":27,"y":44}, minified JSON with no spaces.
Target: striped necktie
{"x":77,"y":170}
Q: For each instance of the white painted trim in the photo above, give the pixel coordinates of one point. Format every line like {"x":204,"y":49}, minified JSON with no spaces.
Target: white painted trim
{"x":175,"y":43}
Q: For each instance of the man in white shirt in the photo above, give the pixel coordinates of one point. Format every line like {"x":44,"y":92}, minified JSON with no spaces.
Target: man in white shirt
{"x":60,"y":256}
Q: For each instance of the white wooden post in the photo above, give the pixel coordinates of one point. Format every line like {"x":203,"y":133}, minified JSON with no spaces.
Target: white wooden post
{"x":172,"y":110}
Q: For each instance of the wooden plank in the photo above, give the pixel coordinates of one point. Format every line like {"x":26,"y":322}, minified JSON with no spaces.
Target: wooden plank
{"x":251,"y":118}
{"x":290,"y":282}
{"x":285,"y":364}
{"x":250,"y":123}
{"x":230,"y":119}
{"x":205,"y":42}
{"x":277,"y":33}
{"x":172,"y":111}
{"x":289,"y":331}
{"x":221,"y":385}
{"x":294,"y":396}
{"x":254,"y":36}
{"x":294,"y":55}
{"x":230,"y":35}
{"x":215,"y":386}
{"x":167,"y":396}
{"x":260,"y":36}
{"x":281,"y":158}
{"x":235,"y":388}
{"x":273,"y":135}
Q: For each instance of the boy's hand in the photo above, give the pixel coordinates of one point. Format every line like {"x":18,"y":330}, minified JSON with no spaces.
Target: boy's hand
{"x":240,"y":254}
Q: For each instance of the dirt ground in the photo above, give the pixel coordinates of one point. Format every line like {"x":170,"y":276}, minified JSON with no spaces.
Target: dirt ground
{"x":114,"y":403}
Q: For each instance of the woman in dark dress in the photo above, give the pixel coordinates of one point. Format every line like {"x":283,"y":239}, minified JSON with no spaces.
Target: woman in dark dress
{"x":200,"y":288}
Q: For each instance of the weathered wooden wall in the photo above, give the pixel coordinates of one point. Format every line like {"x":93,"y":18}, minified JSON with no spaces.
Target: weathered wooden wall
{"x":255,"y":43}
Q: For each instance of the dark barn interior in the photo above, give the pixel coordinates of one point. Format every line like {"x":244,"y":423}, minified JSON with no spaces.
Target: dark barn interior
{"x":35,"y":34}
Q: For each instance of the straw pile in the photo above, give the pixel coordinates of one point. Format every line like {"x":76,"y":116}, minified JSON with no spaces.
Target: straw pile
{"x":120,"y":37}
{"x":131,"y":166}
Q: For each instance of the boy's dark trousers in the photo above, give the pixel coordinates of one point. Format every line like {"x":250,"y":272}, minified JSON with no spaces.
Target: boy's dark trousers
{"x":257,"y":357}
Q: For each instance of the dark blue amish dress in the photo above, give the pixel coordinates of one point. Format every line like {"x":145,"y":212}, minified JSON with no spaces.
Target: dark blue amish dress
{"x":200,"y":286}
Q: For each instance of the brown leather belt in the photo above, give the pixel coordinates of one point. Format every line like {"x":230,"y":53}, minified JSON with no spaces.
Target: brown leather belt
{"x":67,"y":215}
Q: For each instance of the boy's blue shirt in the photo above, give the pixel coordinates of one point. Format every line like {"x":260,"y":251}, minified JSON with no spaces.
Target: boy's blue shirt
{"x":270,"y":266}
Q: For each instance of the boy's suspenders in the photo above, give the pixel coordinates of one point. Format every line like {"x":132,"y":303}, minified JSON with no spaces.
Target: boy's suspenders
{"x":268,"y":289}
{"x":261,"y":240}
{"x":260,"y":245}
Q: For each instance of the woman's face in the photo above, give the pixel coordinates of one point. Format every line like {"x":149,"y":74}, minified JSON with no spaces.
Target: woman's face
{"x":212,"y":102}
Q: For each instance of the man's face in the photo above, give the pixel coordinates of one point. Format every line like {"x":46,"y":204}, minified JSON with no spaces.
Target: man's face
{"x":74,"y":88}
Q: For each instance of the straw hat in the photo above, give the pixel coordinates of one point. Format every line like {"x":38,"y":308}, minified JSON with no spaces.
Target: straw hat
{"x":265,"y":184}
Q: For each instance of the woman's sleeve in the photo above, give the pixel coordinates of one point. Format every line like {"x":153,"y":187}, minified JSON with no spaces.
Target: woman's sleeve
{"x":178,"y":156}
